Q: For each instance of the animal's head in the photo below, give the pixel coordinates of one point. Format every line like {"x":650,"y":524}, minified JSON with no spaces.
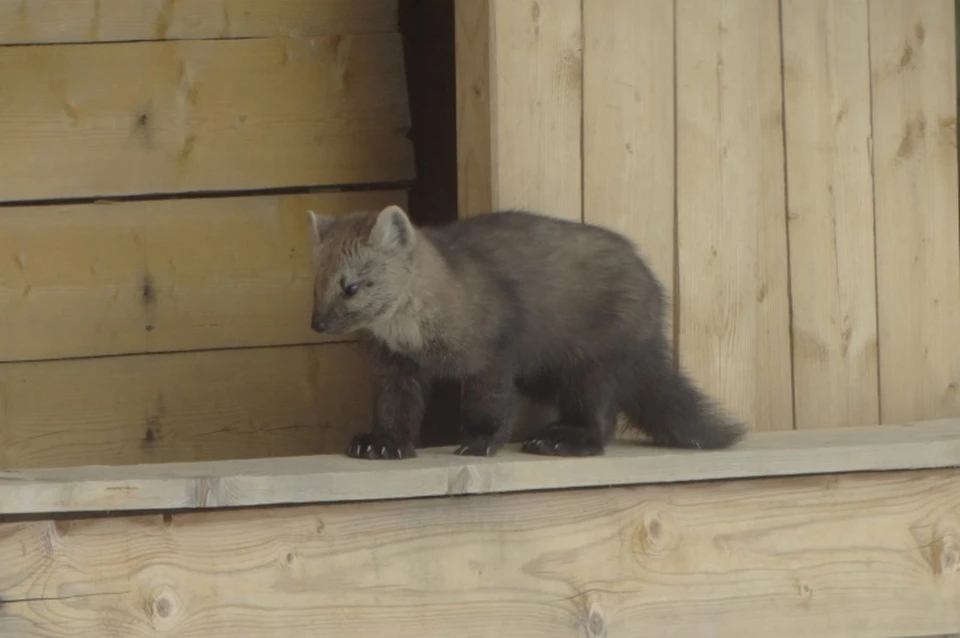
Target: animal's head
{"x":363,"y":267}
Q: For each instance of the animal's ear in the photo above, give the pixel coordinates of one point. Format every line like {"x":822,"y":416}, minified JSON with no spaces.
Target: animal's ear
{"x":393,"y":229}
{"x":318,"y":224}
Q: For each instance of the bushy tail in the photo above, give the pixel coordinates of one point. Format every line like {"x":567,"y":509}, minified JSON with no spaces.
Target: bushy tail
{"x":664,"y":403}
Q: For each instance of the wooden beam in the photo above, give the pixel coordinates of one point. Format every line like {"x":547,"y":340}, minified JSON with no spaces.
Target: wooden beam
{"x":628,"y":125}
{"x":830,"y":212}
{"x":135,"y":118}
{"x":475,"y":82}
{"x":438,"y":472}
{"x":734,"y":321}
{"x":866,"y":555}
{"x":914,"y":80}
{"x":519,"y":106}
{"x":55,"y":21}
{"x":186,"y":406}
{"x":174,"y":275}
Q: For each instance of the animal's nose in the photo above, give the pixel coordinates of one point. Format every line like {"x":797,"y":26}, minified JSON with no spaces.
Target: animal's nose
{"x":317,"y":323}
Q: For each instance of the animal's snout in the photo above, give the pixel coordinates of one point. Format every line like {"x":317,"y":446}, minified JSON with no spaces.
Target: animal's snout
{"x":317,"y":323}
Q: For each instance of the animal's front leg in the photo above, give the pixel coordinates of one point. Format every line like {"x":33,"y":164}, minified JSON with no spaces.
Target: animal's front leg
{"x":400,"y":396}
{"x":489,"y":407}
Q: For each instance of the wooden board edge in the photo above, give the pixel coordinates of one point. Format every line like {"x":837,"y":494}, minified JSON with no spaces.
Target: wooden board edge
{"x":438,"y":472}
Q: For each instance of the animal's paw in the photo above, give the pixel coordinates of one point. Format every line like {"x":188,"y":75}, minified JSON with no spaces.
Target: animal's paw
{"x":563,"y":440}
{"x":375,"y":446}
{"x":476,"y":445}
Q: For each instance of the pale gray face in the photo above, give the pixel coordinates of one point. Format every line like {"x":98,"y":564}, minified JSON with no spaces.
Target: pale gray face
{"x":362,"y":269}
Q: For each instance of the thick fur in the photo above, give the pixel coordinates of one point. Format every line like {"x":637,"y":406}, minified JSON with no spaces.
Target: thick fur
{"x":509,"y":302}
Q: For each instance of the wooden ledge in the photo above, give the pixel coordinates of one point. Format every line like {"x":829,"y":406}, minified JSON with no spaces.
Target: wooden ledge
{"x":438,"y":472}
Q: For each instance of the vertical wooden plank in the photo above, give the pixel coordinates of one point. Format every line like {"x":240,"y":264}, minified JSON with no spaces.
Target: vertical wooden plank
{"x":830,"y":212}
{"x":474,"y":141}
{"x":534,"y":78}
{"x":913,"y":68}
{"x":628,"y":125}
{"x":734,"y":318}
{"x":537,"y":52}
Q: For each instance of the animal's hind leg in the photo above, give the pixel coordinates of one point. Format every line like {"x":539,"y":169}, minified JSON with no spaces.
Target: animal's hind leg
{"x":588,"y":414}
{"x":489,"y":405}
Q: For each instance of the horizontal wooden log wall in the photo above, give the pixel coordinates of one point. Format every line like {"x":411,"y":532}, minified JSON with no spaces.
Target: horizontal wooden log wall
{"x":157,"y":162}
{"x":870,"y":555}
{"x":789,"y":167}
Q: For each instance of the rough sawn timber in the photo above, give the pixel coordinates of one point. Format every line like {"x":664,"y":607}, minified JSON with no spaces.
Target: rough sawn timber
{"x":438,"y":472}
{"x":849,"y":556}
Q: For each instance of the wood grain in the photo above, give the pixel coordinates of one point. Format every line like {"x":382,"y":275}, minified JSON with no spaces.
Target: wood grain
{"x":628,"y":125}
{"x":733,"y":278}
{"x":55,"y":21}
{"x":197,"y":406}
{"x":195,"y":115}
{"x":914,"y":84}
{"x":187,"y":274}
{"x":439,"y":472}
{"x":533,"y":76}
{"x":474,"y":86}
{"x":853,"y":555}
{"x":830,"y":212}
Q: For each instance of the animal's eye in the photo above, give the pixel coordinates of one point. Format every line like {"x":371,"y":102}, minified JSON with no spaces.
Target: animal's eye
{"x":350,"y":290}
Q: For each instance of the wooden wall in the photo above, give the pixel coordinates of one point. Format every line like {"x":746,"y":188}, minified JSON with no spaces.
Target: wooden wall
{"x":789,"y":168}
{"x":865,"y":555}
{"x":156,"y":163}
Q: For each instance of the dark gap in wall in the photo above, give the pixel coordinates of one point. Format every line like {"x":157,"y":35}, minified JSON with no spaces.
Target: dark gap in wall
{"x":427,"y":27}
{"x":209,"y":194}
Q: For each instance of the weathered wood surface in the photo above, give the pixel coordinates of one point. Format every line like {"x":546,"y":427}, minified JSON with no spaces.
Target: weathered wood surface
{"x":830,"y":212}
{"x":734,"y":319}
{"x":175,"y":275}
{"x":850,"y":556}
{"x":519,"y":79}
{"x":474,"y":86}
{"x":56,"y":21}
{"x":202,"y":115}
{"x":628,"y":126}
{"x":913,"y":65}
{"x":187,"y":406}
{"x":438,"y":472}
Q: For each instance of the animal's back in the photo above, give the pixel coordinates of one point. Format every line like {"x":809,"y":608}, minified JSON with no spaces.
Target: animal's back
{"x":579,"y":286}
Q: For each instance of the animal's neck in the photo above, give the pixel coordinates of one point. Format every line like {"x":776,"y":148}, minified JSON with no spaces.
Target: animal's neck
{"x":427,"y":307}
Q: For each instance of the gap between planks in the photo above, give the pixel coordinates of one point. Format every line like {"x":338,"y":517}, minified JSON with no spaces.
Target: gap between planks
{"x":438,"y":472}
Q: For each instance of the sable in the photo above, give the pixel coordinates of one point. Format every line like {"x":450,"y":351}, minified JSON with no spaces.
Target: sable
{"x":510,"y":302}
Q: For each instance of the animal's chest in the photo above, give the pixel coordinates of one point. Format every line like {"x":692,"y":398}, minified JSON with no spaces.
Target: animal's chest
{"x":441,"y":360}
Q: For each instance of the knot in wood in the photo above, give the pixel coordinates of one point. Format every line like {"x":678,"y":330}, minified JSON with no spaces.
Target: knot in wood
{"x":596,"y":625}
{"x":653,"y":536}
{"x":948,"y":558}
{"x":164,"y":606}
{"x":944,"y":556}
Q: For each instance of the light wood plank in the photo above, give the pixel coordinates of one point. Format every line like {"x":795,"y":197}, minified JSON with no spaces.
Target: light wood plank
{"x":538,"y":106}
{"x":182,"y":274}
{"x":915,"y":173}
{"x":734,"y":311}
{"x":475,"y":86}
{"x":195,"y":115}
{"x":439,"y":472}
{"x":865,"y":556}
{"x":56,"y":21}
{"x":533,"y":81}
{"x":225,"y":404}
{"x":830,"y":212}
{"x":628,"y":125}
